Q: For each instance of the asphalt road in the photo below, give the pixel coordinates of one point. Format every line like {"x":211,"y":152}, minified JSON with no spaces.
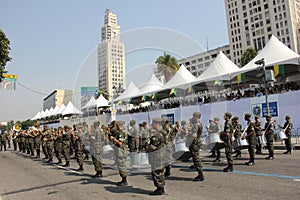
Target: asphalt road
{"x":26,"y":178}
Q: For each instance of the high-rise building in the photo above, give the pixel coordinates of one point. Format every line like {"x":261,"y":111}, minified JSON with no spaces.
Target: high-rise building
{"x":111,"y":57}
{"x":252,"y":22}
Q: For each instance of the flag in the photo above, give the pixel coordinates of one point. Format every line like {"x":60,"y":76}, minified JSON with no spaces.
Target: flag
{"x":173,"y":91}
{"x":278,"y":69}
{"x":241,"y":78}
{"x":119,"y":102}
{"x":218,"y":82}
{"x":143,"y":98}
{"x":154,"y":96}
{"x":129,"y":100}
{"x":190,"y":89}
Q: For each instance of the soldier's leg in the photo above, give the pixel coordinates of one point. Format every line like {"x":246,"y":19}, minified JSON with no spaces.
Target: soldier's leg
{"x":66,"y":150}
{"x":50,"y":151}
{"x":97,"y":165}
{"x":59,"y":153}
{"x":79,"y":155}
{"x":121,"y":162}
{"x":159,"y":181}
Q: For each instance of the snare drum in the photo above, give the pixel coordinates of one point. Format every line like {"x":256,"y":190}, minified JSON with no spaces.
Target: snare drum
{"x":240,"y":144}
{"x":214,"y":142}
{"x":139,"y":159}
{"x":282,"y":135}
{"x":181,"y":150}
{"x":107,"y":149}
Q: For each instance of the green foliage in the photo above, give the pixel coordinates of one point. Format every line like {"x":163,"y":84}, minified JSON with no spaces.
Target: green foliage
{"x":26,"y":124}
{"x":248,"y":55}
{"x":4,"y":52}
{"x":167,"y":65}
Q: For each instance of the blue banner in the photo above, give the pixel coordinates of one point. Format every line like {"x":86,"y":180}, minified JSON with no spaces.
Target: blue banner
{"x":170,"y":117}
{"x":272,"y":108}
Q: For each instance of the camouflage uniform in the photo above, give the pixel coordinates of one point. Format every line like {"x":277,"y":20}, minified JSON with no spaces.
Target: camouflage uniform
{"x":37,"y":143}
{"x":169,"y":138}
{"x":237,"y":127}
{"x":97,"y":141}
{"x":288,"y":132}
{"x":31,"y":143}
{"x":258,"y":132}
{"x":78,"y":147}
{"x":156,"y":152}
{"x":66,"y":142}
{"x":58,"y":147}
{"x":49,"y":144}
{"x":196,"y":133}
{"x":251,"y":139}
{"x":269,"y":133}
{"x":227,"y":138}
{"x":133,"y":137}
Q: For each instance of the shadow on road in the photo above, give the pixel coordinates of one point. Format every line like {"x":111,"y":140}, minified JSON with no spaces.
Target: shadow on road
{"x":127,"y":189}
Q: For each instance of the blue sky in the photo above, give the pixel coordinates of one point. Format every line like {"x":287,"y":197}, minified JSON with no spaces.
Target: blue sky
{"x":54,"y":42}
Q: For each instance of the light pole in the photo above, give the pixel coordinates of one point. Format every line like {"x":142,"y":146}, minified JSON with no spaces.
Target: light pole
{"x":262,"y":63}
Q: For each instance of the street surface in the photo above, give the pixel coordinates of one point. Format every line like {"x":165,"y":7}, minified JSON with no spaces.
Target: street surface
{"x":26,"y":178}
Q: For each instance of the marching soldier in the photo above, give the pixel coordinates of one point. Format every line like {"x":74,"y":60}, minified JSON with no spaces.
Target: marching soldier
{"x":169,"y":138}
{"x":226,"y":137}
{"x":251,"y":138}
{"x":8,"y":138}
{"x":58,"y":145}
{"x":66,"y":144}
{"x":237,"y":127}
{"x":144,"y":133}
{"x":97,"y":141}
{"x":133,"y":137}
{"x":156,"y":152}
{"x":37,"y":140}
{"x":287,"y":127}
{"x":196,"y":134}
{"x":30,"y":142}
{"x":120,"y":140}
{"x":258,"y":132}
{"x":269,"y":133}
{"x":15,"y":140}
{"x":44,"y":141}
{"x":78,"y":147}
{"x":3,"y":140}
{"x":49,"y":144}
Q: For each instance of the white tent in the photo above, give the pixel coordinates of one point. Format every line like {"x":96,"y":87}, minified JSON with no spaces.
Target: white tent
{"x":53,"y":111}
{"x":71,"y":110}
{"x":91,"y":103}
{"x":60,"y":110}
{"x":182,"y":79}
{"x":36,"y":116}
{"x":275,"y":52}
{"x":151,"y":86}
{"x":45,"y":113}
{"x":49,"y":112}
{"x":101,"y":102}
{"x":130,"y":91}
{"x":222,"y":68}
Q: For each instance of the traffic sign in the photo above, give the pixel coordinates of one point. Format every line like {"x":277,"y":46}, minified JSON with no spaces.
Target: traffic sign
{"x":12,"y":76}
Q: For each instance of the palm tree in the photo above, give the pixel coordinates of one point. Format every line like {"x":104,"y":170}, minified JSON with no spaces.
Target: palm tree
{"x":248,"y":55}
{"x":167,"y":65}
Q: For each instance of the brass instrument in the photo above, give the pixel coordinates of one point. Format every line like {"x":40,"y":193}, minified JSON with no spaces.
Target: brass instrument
{"x":17,"y":127}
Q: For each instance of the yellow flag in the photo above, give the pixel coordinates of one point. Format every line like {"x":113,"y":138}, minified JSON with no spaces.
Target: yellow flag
{"x":276,"y":70}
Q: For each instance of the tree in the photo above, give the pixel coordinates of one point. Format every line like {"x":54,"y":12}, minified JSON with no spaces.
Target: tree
{"x":104,"y":94}
{"x":4,"y":52}
{"x":248,"y":55}
{"x":167,"y":65}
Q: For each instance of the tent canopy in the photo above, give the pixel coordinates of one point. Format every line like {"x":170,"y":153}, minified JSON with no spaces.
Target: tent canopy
{"x":91,"y":103}
{"x":101,"y":102}
{"x":130,"y":91}
{"x":71,"y":110}
{"x":60,"y":110}
{"x":182,"y":79}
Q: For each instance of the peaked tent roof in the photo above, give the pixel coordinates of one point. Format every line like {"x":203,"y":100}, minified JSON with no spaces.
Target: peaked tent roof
{"x":101,"y":102}
{"x":36,"y":116}
{"x":130,"y":91}
{"x":151,"y":86}
{"x":91,"y":103}
{"x":60,"y":110}
{"x":45,"y":113}
{"x":49,"y":112}
{"x":182,"y":79}
{"x":222,"y":68}
{"x":54,"y":111}
{"x":71,"y":110}
{"x":275,"y":52}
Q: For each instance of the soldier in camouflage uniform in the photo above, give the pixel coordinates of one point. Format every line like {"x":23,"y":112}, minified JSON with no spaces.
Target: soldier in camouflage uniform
{"x":144,"y":136}
{"x":97,"y":142}
{"x":66,"y":142}
{"x":37,"y":140}
{"x":196,"y":134}
{"x":120,"y":140}
{"x":258,"y":132}
{"x":30,"y":144}
{"x":8,"y":138}
{"x":43,"y":143}
{"x":58,"y":145}
{"x":237,"y":127}
{"x":15,"y":140}
{"x":251,"y":139}
{"x":226,"y":137}
{"x":156,"y":150}
{"x":288,"y":132}
{"x":78,"y":147}
{"x":3,"y":140}
{"x":269,"y":133}
{"x":49,"y":144}
{"x":133,"y":137}
{"x":169,"y":138}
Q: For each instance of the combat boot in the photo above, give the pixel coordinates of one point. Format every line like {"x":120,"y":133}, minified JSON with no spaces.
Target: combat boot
{"x":80,"y":169}
{"x":67,"y":164}
{"x":200,"y":177}
{"x":97,"y":175}
{"x":38,"y":153}
{"x":158,"y":191}
{"x":59,"y":162}
{"x":123,"y":182}
{"x":229,"y":168}
{"x":168,"y":170}
{"x":49,"y":161}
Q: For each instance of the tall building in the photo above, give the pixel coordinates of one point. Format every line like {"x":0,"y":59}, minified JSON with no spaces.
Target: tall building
{"x":57,"y":98}
{"x":198,"y":63}
{"x":252,"y":22}
{"x":111,"y":57}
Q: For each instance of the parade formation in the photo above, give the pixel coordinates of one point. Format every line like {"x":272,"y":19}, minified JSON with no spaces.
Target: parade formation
{"x":158,"y":143}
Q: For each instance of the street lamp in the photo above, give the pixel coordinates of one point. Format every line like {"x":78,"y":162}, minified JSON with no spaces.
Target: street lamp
{"x":268,"y":76}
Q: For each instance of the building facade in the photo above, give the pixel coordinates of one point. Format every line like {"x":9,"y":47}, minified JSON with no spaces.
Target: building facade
{"x":251,"y":23}
{"x":198,"y":63}
{"x":111,"y":57}
{"x":57,"y":98}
